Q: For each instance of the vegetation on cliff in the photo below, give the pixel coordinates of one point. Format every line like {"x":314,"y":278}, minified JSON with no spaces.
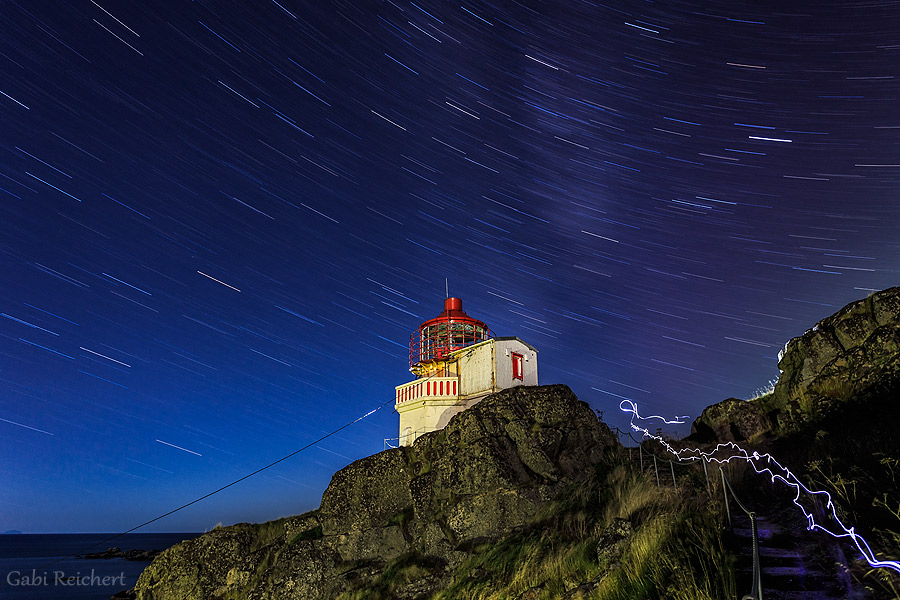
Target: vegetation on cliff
{"x":620,"y":537}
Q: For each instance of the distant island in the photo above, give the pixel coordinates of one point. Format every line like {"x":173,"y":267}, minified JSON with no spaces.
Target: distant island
{"x":116,"y":552}
{"x":11,"y":532}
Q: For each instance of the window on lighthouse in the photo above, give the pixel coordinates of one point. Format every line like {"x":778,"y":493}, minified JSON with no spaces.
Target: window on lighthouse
{"x":517,"y":366}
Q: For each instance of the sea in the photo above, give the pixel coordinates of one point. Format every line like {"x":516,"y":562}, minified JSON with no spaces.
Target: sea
{"x":39,"y":566}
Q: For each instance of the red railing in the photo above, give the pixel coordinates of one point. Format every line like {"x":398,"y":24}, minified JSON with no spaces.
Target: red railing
{"x":433,"y":387}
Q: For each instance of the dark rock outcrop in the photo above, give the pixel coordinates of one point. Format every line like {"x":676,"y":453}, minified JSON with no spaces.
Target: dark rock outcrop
{"x":483,"y":476}
{"x":731,"y":420}
{"x":845,"y":354}
{"x":853,"y":353}
{"x":116,"y":552}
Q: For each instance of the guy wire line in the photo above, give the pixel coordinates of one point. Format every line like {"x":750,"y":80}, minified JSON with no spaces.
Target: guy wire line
{"x":236,"y":481}
{"x":224,"y":487}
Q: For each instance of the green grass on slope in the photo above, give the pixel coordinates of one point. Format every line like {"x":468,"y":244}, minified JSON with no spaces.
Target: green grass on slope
{"x":674,"y":550}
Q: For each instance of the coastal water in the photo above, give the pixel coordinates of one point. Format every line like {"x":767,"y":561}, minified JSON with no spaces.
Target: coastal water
{"x":26,"y":570}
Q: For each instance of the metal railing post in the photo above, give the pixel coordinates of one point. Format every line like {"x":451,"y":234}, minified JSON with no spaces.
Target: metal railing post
{"x":656,"y":470}
{"x":725,"y":493}
{"x":672,"y":467}
{"x":629,"y":445}
{"x":756,"y":589}
{"x":641,"y":455}
{"x":705,"y":472}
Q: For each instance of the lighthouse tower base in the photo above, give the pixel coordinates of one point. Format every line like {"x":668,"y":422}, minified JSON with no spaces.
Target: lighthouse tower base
{"x":426,"y":415}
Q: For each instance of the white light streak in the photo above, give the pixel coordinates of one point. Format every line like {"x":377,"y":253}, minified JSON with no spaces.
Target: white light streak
{"x":780,"y":473}
{"x":105,"y":356}
{"x":14,"y":100}
{"x":217,"y":281}
{"x":179,"y":448}
{"x":117,"y":20}
{"x":25,"y":426}
{"x":600,"y":236}
{"x":388,"y":120}
{"x":765,"y":139}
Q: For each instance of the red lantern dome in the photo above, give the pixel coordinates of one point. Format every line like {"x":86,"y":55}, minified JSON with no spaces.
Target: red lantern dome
{"x":451,"y":330}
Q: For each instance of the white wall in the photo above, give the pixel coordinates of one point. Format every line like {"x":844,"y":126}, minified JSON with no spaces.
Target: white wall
{"x":427,"y":416}
{"x":475,"y":369}
{"x":503,"y":350}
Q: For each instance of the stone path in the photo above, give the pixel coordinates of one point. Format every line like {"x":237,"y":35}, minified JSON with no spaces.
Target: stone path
{"x":796,"y":564}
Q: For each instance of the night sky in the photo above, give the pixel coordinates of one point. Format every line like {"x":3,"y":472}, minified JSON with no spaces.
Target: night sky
{"x":222,"y":220}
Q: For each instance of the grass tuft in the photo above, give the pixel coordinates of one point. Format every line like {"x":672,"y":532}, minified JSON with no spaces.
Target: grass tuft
{"x":674,"y":552}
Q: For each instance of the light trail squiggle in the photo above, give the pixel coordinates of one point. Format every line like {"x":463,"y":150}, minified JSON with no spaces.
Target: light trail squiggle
{"x":781,"y":473}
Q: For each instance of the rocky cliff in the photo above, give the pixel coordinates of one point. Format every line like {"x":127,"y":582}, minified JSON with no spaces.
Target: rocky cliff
{"x":853,"y":350}
{"x":853,"y":354}
{"x":487,"y":473}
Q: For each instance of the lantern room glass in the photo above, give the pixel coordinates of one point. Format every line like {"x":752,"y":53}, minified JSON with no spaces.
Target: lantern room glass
{"x":452,"y":330}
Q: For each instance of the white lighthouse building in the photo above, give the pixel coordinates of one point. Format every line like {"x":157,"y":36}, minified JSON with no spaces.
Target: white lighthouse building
{"x":457,"y":361}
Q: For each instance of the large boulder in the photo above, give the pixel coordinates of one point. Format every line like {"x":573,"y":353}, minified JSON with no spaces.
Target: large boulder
{"x":845,"y":354}
{"x":731,"y":420}
{"x":854,"y":352}
{"x":488,"y":472}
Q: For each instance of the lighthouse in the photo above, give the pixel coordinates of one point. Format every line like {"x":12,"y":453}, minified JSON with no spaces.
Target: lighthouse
{"x":457,"y":361}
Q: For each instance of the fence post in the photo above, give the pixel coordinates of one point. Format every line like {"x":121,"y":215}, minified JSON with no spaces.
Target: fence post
{"x":641,"y":456}
{"x":629,"y":446}
{"x":705,"y":473}
{"x":725,"y":493}
{"x":656,"y":470}
{"x":674,"y":483}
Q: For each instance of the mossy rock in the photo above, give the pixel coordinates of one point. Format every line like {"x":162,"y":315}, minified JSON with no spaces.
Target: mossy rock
{"x":486,"y":474}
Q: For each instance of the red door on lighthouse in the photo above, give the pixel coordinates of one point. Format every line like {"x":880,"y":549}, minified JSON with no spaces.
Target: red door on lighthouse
{"x":517,"y":366}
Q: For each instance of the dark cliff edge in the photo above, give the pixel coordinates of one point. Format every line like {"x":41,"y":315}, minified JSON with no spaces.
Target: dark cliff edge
{"x":484,"y":476}
{"x":843,"y":362}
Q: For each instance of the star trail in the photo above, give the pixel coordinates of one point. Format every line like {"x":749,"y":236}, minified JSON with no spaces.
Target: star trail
{"x":221,"y":221}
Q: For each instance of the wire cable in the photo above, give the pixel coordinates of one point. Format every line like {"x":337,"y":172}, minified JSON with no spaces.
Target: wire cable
{"x":216,"y":491}
{"x":236,"y":481}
